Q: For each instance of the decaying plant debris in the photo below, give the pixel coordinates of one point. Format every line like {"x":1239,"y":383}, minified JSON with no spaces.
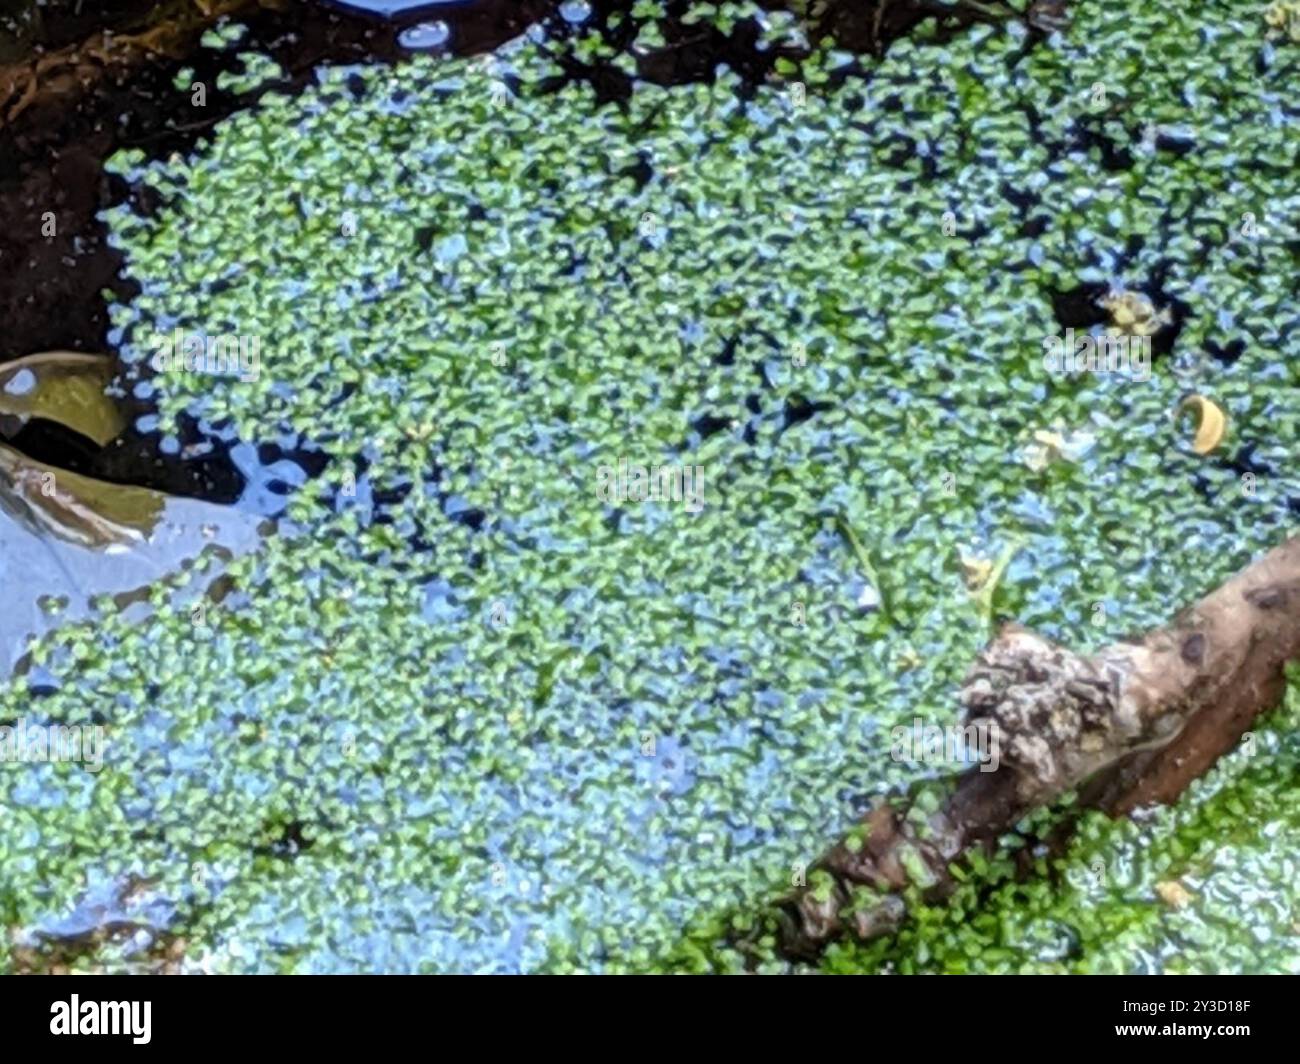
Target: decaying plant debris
{"x":1131,"y":725}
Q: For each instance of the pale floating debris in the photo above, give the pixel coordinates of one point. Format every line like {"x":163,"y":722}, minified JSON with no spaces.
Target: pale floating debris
{"x":1174,"y":894}
{"x":1211,"y":422}
{"x":1133,"y":314}
{"x":1051,"y":446}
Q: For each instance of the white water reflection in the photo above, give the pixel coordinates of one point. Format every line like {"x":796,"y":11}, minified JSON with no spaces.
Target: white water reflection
{"x":46,"y":582}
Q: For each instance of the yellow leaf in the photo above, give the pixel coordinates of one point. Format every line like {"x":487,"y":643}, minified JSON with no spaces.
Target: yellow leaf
{"x":66,"y":387}
{"x":1211,"y":423}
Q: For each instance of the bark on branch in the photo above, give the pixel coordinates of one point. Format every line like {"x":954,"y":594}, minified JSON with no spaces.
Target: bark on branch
{"x":1129,"y":726}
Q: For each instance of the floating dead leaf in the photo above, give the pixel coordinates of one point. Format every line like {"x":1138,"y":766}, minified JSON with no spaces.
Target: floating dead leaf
{"x":63,"y":386}
{"x":1174,"y":894}
{"x":73,"y":508}
{"x":1133,"y":314}
{"x":1211,"y":423}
